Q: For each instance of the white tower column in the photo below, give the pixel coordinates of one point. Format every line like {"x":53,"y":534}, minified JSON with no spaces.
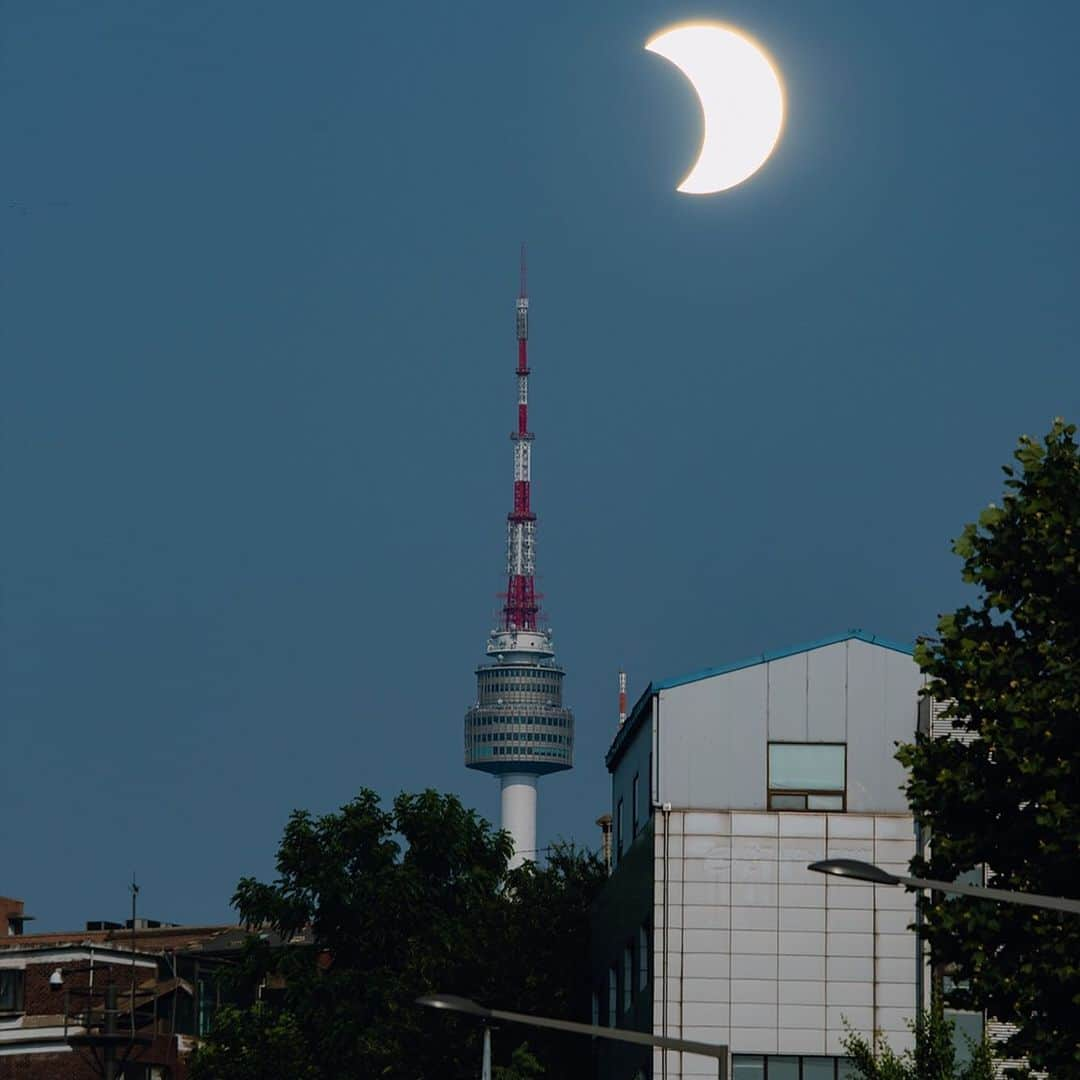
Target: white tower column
{"x":519,"y":815}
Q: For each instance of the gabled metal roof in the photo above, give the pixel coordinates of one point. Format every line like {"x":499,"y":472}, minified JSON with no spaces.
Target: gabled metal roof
{"x":642,"y":704}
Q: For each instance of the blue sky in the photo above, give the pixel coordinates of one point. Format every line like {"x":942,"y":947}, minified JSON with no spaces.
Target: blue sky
{"x":257,"y":268}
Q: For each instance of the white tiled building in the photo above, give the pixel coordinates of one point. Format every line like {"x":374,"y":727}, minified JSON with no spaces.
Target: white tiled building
{"x":725,"y":785}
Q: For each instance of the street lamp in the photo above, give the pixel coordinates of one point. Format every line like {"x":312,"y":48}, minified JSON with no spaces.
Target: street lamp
{"x":864,"y":871}
{"x":466,"y":1005}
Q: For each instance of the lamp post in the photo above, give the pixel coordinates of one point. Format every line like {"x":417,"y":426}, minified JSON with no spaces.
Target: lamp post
{"x":471,"y":1008}
{"x":864,"y":871}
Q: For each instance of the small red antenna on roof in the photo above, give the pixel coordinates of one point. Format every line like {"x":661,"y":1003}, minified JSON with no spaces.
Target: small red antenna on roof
{"x":523,"y":281}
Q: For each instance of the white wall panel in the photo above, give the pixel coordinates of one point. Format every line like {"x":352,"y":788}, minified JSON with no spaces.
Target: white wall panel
{"x":800,"y":918}
{"x":754,"y":991}
{"x":787,"y":699}
{"x":802,"y":1016}
{"x":798,"y":1041}
{"x":826,"y":684}
{"x":802,"y":967}
{"x":802,"y":991}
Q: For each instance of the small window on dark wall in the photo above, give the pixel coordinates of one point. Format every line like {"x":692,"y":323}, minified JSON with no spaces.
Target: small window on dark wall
{"x":11,"y":991}
{"x":807,"y":776}
{"x":634,"y":807}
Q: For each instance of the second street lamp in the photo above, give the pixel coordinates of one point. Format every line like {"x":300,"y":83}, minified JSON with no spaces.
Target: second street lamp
{"x":864,"y":871}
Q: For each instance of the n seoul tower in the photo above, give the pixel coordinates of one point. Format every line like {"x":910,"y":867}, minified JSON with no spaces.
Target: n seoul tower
{"x":519,"y":729}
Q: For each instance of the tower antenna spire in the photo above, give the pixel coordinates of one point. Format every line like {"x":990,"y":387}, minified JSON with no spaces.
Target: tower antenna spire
{"x":519,"y":728}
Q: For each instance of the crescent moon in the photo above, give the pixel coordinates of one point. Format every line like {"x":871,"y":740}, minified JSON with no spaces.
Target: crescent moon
{"x":742,"y":101}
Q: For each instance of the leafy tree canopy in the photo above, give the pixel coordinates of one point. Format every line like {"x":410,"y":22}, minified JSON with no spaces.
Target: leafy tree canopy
{"x":934,"y":1056}
{"x":384,"y":905}
{"x":1008,"y":665}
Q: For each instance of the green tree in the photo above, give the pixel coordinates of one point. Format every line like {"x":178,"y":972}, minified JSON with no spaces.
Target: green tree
{"x":253,"y":1044}
{"x":524,"y":1065}
{"x":543,"y":952}
{"x":934,"y":1056}
{"x":1008,"y":665}
{"x":379,"y":906}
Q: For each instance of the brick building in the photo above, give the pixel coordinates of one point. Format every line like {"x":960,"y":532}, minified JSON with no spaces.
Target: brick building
{"x":111,"y":999}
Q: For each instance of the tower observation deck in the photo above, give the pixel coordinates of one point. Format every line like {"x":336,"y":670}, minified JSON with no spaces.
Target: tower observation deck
{"x":519,"y":728}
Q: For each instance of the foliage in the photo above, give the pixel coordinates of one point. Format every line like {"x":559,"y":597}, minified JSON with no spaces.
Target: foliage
{"x":253,"y":1044}
{"x":379,"y":906}
{"x":1009,"y":667}
{"x":523,"y":1066}
{"x":544,"y":951}
{"x":934,"y":1056}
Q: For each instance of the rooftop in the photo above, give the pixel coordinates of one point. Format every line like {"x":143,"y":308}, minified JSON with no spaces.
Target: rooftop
{"x":634,"y":720}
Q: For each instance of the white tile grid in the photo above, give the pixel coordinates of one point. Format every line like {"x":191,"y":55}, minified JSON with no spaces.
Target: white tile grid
{"x":708,"y":824}
{"x":707,"y":991}
{"x":802,"y":849}
{"x":754,"y":824}
{"x":705,"y":892}
{"x":802,"y":825}
{"x":801,"y":1041}
{"x":706,"y":916}
{"x":706,"y":847}
{"x":887,"y":827}
{"x":800,"y":918}
{"x":755,"y":847}
{"x":801,"y":1012}
{"x":754,"y":991}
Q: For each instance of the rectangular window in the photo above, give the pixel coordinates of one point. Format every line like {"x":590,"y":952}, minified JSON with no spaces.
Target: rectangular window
{"x":11,"y":991}
{"x":644,"y":950}
{"x":596,"y":1009}
{"x":634,"y":807}
{"x":612,"y":995}
{"x":618,"y":831}
{"x":747,"y":1067}
{"x":790,"y":1067}
{"x":807,"y":776}
{"x":782,"y":1068}
{"x":649,"y":793}
{"x":627,"y":977}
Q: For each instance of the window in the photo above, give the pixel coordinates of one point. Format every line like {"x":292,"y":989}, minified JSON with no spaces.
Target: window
{"x":785,"y":1067}
{"x":11,"y":991}
{"x":627,"y":976}
{"x":807,"y":776}
{"x":643,"y":956}
{"x":634,"y":807}
{"x":612,"y":995}
{"x":618,"y":831}
{"x":596,"y":1009}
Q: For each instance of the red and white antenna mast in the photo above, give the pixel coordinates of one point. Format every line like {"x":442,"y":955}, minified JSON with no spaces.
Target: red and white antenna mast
{"x":519,"y":729}
{"x":622,"y":698}
{"x":521,"y":609}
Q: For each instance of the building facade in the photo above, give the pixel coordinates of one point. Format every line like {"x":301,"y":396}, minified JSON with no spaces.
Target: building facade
{"x":725,"y":785}
{"x":110,"y":1000}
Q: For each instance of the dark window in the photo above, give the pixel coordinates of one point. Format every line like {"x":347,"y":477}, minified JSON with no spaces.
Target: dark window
{"x":612,"y":995}
{"x":627,"y":976}
{"x":644,"y":948}
{"x":11,"y":991}
{"x":618,"y":831}
{"x":634,"y":806}
{"x":789,"y":1067}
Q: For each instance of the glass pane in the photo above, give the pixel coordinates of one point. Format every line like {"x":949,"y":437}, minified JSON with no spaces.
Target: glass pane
{"x":806,"y":767}
{"x":818,"y":1068}
{"x":783,"y":1068}
{"x":787,"y":802}
{"x":847,"y":1071}
{"x":968,"y":1032}
{"x":747,"y":1067}
{"x":825,"y":802}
